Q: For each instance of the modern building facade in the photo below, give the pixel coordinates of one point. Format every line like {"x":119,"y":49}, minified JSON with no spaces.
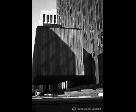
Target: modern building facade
{"x":70,"y":42}
{"x":52,"y":56}
{"x":86,"y":15}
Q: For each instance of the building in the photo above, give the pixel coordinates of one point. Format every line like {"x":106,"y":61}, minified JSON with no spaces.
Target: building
{"x":52,"y":56}
{"x":73,"y":44}
{"x":52,"y":53}
{"x":48,"y":17}
{"x":86,"y":15}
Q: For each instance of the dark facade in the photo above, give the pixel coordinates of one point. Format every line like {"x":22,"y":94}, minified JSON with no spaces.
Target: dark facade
{"x":54,"y":57}
{"x":51,"y":55}
{"x":89,"y":66}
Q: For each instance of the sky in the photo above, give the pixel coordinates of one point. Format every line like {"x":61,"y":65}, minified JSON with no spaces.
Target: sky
{"x":37,"y":6}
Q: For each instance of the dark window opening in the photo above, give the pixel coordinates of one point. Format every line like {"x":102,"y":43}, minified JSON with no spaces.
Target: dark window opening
{"x":100,"y":22}
{"x":84,"y":11}
{"x":97,"y":9}
{"x":91,"y":16}
{"x":50,"y":18}
{"x":98,"y":25}
{"x":99,"y":6}
{"x":70,"y":11}
{"x":91,"y":3}
{"x":54,"y":19}
{"x":79,"y":8}
{"x":78,"y":20}
{"x":47,"y":18}
{"x":43,"y":18}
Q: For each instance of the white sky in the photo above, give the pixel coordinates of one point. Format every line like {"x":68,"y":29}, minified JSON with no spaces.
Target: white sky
{"x":37,"y":7}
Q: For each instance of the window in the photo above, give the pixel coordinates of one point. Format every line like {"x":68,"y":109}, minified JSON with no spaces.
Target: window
{"x":85,"y":36}
{"x":60,"y":2}
{"x":100,"y":22}
{"x":70,"y":11}
{"x":65,"y":12}
{"x":85,"y":23}
{"x":78,"y":20}
{"x":79,"y":7}
{"x":91,"y":16}
{"x":62,"y":11}
{"x":98,"y":25}
{"x":43,"y":18}
{"x":99,"y":3}
{"x":50,"y":18}
{"x":54,"y":19}
{"x":84,"y":11}
{"x":47,"y":18}
{"x":82,"y":3}
{"x":97,"y":9}
{"x":89,"y":4}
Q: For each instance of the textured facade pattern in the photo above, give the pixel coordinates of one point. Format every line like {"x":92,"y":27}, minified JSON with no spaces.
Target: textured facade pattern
{"x":65,"y":50}
{"x":87,"y":17}
{"x":52,"y":56}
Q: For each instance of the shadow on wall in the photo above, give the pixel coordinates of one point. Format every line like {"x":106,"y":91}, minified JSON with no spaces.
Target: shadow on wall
{"x":52,"y":56}
{"x":53,"y":60}
{"x":89,"y":65}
